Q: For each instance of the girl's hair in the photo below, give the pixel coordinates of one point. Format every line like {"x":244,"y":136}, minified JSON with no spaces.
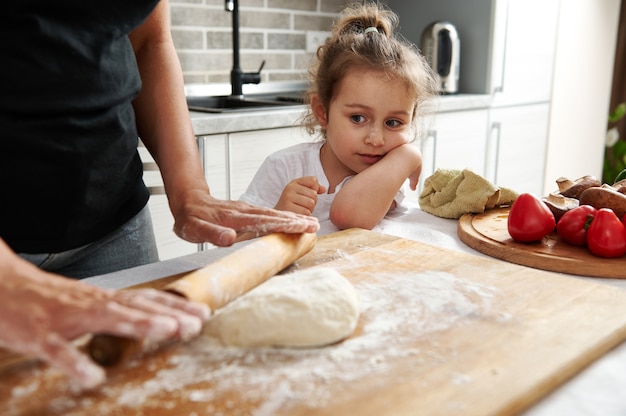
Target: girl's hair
{"x":354,"y":43}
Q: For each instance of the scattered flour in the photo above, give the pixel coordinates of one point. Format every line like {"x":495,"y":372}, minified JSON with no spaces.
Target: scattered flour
{"x":396,"y":310}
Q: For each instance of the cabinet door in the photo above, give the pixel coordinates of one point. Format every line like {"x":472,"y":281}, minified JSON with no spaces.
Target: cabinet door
{"x":214,"y":162}
{"x":517,"y":147}
{"x":168,"y":243}
{"x":456,"y":141}
{"x":522,"y":69}
{"x":247,"y":150}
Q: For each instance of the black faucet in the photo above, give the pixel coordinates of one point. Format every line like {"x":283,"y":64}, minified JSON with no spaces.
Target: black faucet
{"x":237,"y":76}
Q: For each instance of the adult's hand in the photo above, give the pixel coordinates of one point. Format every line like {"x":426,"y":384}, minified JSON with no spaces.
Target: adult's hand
{"x":166,"y":130}
{"x":42,"y":313}
{"x":201,"y":218}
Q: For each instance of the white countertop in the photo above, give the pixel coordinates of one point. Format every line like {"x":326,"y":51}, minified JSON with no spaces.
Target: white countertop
{"x":597,"y":390}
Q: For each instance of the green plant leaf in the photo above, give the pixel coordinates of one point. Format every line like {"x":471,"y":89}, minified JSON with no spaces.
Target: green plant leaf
{"x":620,"y":176}
{"x":618,"y":113}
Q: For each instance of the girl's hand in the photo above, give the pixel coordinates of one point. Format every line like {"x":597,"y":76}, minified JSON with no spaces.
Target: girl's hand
{"x":412,"y":157}
{"x":417,"y":160}
{"x":300,"y":195}
{"x":414,"y":178}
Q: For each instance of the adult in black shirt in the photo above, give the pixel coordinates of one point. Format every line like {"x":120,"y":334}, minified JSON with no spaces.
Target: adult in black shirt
{"x":80,"y":81}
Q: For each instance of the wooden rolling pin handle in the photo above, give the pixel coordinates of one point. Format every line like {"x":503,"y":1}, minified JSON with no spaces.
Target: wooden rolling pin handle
{"x":235,"y":274}
{"x":108,"y":350}
{"x":215,"y":285}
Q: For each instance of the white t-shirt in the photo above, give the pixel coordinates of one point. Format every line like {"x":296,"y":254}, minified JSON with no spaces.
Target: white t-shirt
{"x":285,"y":165}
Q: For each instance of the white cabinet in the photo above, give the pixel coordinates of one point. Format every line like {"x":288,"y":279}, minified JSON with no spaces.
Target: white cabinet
{"x":505,"y":145}
{"x":460,"y":140}
{"x":168,"y":243}
{"x":521,"y":82}
{"x":519,"y":118}
{"x":507,"y":46}
{"x":523,"y":50}
{"x":516,"y":150}
{"x":214,"y":158}
{"x":508,"y":50}
{"x":230,"y":161}
{"x":457,"y":140}
{"x":247,"y":150}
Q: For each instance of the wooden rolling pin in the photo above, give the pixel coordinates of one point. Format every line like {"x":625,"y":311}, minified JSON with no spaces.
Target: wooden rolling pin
{"x":216,"y":285}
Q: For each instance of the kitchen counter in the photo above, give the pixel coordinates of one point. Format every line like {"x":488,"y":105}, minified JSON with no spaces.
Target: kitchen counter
{"x":262,"y":119}
{"x":288,"y":116}
{"x":596,"y":390}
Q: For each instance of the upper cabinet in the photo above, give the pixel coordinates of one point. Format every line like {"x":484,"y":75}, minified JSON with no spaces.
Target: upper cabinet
{"x":508,"y":50}
{"x":523,"y":51}
{"x":507,"y":46}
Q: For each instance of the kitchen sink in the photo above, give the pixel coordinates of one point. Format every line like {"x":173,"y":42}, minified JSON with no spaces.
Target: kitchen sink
{"x":229,"y":103}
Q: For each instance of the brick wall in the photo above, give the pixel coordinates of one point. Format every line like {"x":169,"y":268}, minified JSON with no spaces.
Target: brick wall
{"x":270,"y":30}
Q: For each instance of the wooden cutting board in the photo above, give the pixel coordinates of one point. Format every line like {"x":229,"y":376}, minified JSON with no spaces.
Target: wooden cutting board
{"x":487,"y":233}
{"x":440,"y":332}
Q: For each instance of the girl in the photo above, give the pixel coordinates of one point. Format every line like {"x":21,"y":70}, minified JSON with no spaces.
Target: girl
{"x":366,"y":89}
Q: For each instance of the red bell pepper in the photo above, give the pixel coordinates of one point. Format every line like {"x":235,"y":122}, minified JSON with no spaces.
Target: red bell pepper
{"x":606,"y":236}
{"x":530,"y":219}
{"x":573,"y":225}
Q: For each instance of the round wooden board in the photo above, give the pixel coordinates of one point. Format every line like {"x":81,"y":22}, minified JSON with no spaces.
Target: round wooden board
{"x":488,"y":234}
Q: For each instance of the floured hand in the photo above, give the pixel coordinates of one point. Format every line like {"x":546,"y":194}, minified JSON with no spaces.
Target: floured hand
{"x":42,"y":313}
{"x":202,"y":218}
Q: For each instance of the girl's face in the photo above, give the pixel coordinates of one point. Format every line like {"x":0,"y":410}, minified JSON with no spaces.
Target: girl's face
{"x":369,"y":116}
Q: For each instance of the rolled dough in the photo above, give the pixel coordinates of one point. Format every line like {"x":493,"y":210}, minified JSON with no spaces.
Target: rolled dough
{"x":308,"y":308}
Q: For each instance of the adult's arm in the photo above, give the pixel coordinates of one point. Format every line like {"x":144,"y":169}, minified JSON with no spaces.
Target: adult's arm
{"x":165,"y":128}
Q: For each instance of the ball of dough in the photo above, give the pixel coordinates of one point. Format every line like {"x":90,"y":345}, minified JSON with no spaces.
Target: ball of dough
{"x":308,"y":308}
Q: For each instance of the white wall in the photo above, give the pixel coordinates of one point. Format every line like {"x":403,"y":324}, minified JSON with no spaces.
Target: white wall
{"x":587,"y":36}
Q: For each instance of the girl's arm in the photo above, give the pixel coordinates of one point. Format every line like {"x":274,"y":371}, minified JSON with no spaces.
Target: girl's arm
{"x":366,"y":198}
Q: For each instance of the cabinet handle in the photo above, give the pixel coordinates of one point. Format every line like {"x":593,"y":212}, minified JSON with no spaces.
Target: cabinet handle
{"x":424,"y":148}
{"x":433,"y":134}
{"x":201,"y":146}
{"x":493,"y":149}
